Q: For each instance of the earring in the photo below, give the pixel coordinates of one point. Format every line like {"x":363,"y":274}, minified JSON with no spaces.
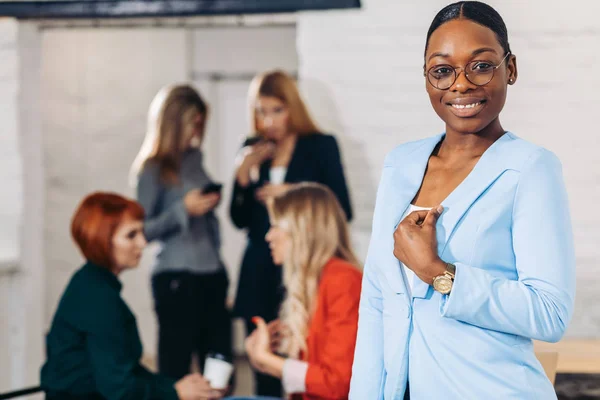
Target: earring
{"x":511,"y":80}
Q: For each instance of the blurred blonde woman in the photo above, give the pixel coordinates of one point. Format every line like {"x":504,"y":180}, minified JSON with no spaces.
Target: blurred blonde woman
{"x":285,"y":146}
{"x":319,"y":316}
{"x":189,"y":281}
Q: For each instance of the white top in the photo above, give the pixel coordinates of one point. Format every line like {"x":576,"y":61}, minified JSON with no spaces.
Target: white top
{"x":294,"y":376}
{"x":410,"y":275}
{"x":277,"y":175}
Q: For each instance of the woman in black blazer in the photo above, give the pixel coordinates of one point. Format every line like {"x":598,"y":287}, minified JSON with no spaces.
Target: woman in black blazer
{"x":287,"y":148}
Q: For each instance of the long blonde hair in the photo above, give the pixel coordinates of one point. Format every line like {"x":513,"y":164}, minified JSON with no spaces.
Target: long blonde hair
{"x":280,"y":85}
{"x":313,"y":217}
{"x":164,"y":134}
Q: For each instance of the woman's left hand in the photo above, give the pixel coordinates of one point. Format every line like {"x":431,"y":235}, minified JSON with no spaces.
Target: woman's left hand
{"x":258,"y":344}
{"x":415,"y":244}
{"x":270,"y":190}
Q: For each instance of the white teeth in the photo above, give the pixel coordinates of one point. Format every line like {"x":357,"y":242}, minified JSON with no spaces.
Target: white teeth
{"x":461,"y":106}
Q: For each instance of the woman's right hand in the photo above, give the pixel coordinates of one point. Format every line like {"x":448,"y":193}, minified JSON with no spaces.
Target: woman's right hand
{"x":252,"y":157}
{"x":195,"y":387}
{"x":258,"y":344}
{"x":197,"y":204}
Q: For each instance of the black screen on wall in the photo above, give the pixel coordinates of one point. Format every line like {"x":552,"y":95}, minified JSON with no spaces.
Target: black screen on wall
{"x":161,"y":8}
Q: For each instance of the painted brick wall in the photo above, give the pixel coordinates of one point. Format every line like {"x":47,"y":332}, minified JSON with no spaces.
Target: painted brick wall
{"x":10,"y":158}
{"x":21,"y":285}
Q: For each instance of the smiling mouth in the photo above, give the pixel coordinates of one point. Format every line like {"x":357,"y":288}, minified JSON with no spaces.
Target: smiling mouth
{"x":467,"y":110}
{"x":463,"y":106}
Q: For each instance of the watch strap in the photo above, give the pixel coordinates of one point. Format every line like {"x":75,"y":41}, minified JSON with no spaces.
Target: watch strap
{"x":451,"y":269}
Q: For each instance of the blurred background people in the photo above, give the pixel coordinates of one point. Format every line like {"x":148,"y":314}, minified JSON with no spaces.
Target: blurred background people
{"x":93,"y":347}
{"x":319,"y":317}
{"x":285,"y":147}
{"x":189,"y":281}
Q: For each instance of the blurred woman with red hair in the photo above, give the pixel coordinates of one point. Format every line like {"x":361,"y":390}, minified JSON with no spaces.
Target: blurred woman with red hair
{"x":93,"y":346}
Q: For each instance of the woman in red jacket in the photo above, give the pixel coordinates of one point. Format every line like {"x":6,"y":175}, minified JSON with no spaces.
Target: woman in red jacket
{"x":319,"y":316}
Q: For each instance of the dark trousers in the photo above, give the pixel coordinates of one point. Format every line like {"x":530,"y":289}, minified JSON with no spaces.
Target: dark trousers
{"x":192,"y":318}
{"x":266,"y":385}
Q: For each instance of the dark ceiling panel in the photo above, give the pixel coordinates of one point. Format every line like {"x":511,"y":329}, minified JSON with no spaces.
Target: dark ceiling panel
{"x":161,"y":8}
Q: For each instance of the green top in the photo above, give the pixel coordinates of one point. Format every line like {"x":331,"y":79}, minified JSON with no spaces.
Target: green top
{"x":94,"y":347}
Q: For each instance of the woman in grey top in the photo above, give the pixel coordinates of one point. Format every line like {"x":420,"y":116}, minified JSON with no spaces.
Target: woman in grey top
{"x":189,"y":282}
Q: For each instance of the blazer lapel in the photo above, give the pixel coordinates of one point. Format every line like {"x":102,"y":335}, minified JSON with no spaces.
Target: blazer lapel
{"x":401,"y":180}
{"x":295,"y":166}
{"x":488,"y":169}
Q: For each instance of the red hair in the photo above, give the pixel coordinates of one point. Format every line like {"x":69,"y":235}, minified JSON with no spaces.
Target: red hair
{"x":95,"y":222}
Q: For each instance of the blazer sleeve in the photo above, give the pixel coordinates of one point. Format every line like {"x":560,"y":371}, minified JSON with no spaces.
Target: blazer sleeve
{"x":333,"y":172}
{"x":367,"y":369}
{"x":242,"y":200}
{"x":159,"y":222}
{"x":331,"y":377}
{"x":116,"y":375}
{"x":368,"y":373}
{"x":162,"y":387}
{"x":241,"y":205}
{"x":539,"y":304}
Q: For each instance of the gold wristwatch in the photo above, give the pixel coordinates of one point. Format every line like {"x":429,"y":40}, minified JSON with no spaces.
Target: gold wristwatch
{"x":443,"y":283}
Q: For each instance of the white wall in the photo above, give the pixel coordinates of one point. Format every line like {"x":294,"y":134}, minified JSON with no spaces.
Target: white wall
{"x":11,"y":171}
{"x":21,"y":284}
{"x":362,"y":71}
{"x":10,"y":168}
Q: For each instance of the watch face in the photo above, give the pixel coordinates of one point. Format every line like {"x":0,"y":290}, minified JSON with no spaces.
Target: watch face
{"x":443,"y":284}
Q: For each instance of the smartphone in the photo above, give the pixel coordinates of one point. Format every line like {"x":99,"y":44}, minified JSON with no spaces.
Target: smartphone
{"x":252,"y":140}
{"x":212,"y":188}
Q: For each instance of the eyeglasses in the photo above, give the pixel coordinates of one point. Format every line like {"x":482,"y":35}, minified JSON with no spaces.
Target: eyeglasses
{"x":479,"y":73}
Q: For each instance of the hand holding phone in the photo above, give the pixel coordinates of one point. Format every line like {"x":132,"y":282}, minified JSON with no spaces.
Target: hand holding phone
{"x":212,"y":188}
{"x":256,"y":153}
{"x":252,"y":140}
{"x":198,"y":203}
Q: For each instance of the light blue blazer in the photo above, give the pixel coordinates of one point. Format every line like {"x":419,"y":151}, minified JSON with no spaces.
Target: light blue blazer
{"x":507,"y":229}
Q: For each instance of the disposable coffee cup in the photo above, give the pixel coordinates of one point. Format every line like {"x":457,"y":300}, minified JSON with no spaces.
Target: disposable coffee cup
{"x":217,"y":370}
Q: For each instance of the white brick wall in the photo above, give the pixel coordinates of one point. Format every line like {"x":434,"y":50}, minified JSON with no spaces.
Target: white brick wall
{"x":21,"y":290}
{"x":362,"y":72}
{"x":10,"y":175}
{"x":10,"y":157}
